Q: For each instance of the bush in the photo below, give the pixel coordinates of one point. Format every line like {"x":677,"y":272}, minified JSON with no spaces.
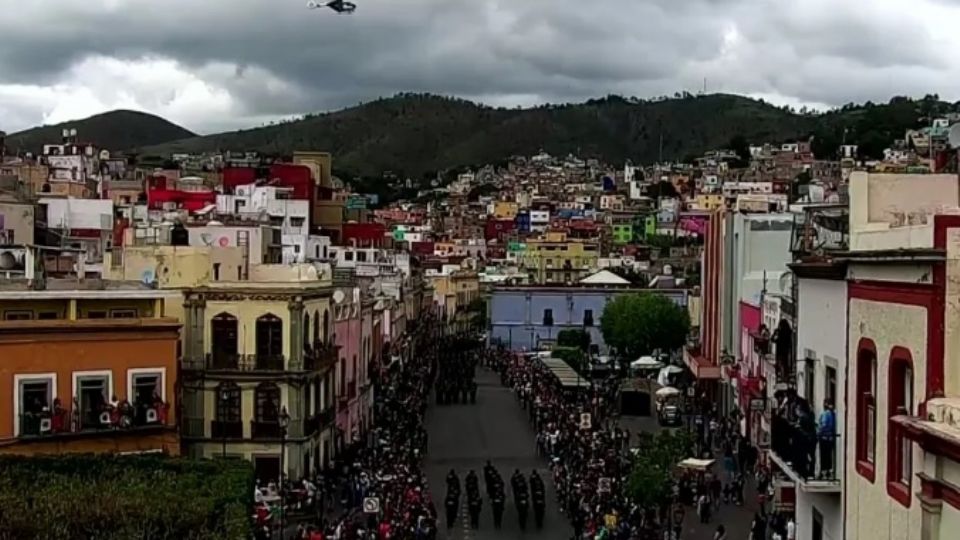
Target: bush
{"x":110,"y":497}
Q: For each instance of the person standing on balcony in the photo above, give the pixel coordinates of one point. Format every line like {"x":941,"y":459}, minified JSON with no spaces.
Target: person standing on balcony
{"x":826,"y":435}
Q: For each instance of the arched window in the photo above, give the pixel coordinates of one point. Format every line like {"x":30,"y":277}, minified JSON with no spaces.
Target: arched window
{"x":224,"y":341}
{"x":899,"y":446}
{"x":267,"y":401}
{"x":269,"y":336}
{"x":326,"y":326}
{"x":306,"y":331}
{"x":228,"y":402}
{"x":316,"y":329}
{"x":866,"y":400}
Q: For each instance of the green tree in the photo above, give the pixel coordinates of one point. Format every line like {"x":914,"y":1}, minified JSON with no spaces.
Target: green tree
{"x":579,"y":339}
{"x":740,"y":145}
{"x":638,"y":324}
{"x":651,"y":472}
{"x":574,"y":357}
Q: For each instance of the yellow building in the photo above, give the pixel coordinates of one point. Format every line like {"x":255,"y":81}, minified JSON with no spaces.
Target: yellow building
{"x":555,"y":259}
{"x":709,"y":201}
{"x":256,"y":348}
{"x":505,"y":210}
{"x":453,"y":293}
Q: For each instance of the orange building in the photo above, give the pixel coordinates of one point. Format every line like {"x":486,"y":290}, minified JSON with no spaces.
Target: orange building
{"x":77,"y":378}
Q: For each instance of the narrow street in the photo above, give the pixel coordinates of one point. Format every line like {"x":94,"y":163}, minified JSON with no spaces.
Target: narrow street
{"x":464,"y":437}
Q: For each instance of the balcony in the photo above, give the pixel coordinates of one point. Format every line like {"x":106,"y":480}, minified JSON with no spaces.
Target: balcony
{"x":220,"y":429}
{"x":321,"y":421}
{"x":795,"y":448}
{"x":821,"y":229}
{"x":269,"y":362}
{"x":240,"y":362}
{"x":224,"y":361}
{"x":124,"y":418}
{"x":320,"y":356}
{"x":265,"y":430}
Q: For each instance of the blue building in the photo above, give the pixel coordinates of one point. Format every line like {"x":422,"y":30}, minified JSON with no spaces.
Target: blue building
{"x":523,"y":221}
{"x":526,"y":317}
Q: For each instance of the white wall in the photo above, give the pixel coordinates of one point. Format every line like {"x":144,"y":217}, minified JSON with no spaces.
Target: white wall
{"x":79,"y":213}
{"x":822,"y":334}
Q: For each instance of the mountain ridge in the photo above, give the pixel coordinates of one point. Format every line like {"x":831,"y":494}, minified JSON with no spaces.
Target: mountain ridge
{"x":119,"y":129}
{"x":420,"y":134}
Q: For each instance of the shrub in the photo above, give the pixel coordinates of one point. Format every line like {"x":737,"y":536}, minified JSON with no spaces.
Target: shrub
{"x":110,"y":497}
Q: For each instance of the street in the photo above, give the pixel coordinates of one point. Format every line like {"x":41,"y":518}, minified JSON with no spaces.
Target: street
{"x":464,"y":437}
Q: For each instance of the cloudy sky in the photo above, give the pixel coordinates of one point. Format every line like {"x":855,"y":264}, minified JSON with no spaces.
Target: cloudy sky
{"x":212,"y":65}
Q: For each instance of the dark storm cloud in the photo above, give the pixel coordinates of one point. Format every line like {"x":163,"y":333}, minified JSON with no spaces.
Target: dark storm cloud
{"x":547,"y":50}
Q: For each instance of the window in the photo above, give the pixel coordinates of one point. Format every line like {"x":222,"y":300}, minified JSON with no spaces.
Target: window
{"x":48,"y":315}
{"x":97,"y":314}
{"x":548,"y":317}
{"x":92,"y":391}
{"x":146,"y":388}
{"x":809,"y":377}
{"x":361,"y":256}
{"x":866,"y":408}
{"x":305,"y":331}
{"x":216,"y":271}
{"x":587,"y":317}
{"x":36,"y":395}
{"x":224,"y":337}
{"x":296,"y":222}
{"x":830,"y":384}
{"x":228,"y":402}
{"x":17,"y":315}
{"x":123,"y":314}
{"x":316,"y":328}
{"x":899,"y":446}
{"x":267,"y":400}
{"x":269,"y":336}
{"x":348,"y":255}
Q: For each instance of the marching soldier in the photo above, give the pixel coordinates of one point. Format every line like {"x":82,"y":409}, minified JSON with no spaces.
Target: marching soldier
{"x":538,"y":494}
{"x":497,"y":502}
{"x":475,"y":504}
{"x":452,"y":504}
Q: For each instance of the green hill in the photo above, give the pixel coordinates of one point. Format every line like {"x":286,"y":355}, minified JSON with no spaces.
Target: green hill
{"x":415,"y":134}
{"x":114,"y":130}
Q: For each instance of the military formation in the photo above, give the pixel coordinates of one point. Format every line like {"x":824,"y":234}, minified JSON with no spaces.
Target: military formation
{"x":524,"y":494}
{"x":456,"y":371}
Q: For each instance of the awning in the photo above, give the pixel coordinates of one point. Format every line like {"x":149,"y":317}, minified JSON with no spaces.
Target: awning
{"x":701,"y":367}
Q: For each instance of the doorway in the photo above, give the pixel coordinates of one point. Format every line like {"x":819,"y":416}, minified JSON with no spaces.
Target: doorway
{"x":817,"y":530}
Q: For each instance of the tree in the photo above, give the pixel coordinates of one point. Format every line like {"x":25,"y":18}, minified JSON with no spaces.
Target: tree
{"x":639,"y":324}
{"x":579,"y":339}
{"x":118,"y":497}
{"x":574,"y":357}
{"x":740,"y":145}
{"x":651,"y":473}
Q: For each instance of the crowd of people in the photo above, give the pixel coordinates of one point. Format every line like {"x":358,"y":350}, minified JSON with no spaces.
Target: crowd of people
{"x":588,"y":453}
{"x":456,"y":370}
{"x":386,"y":466}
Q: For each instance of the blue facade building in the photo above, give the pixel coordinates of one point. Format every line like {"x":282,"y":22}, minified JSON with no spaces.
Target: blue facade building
{"x":523,"y":221}
{"x":524,"y":318}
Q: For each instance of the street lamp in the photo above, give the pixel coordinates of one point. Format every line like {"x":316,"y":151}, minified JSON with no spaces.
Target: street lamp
{"x":284,"y":423}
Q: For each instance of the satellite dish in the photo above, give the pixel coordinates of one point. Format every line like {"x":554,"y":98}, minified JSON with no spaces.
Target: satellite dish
{"x":338,"y":297}
{"x":954,"y":136}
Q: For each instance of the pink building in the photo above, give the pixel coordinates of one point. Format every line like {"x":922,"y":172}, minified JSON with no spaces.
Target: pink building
{"x":347,"y":336}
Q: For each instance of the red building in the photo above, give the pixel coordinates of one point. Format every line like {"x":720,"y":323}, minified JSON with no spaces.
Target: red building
{"x":364,"y":234}
{"x":704,"y":359}
{"x":162,"y":193}
{"x":498,"y":229}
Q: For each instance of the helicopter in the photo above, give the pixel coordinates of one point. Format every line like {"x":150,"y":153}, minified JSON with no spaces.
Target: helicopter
{"x":340,"y":6}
